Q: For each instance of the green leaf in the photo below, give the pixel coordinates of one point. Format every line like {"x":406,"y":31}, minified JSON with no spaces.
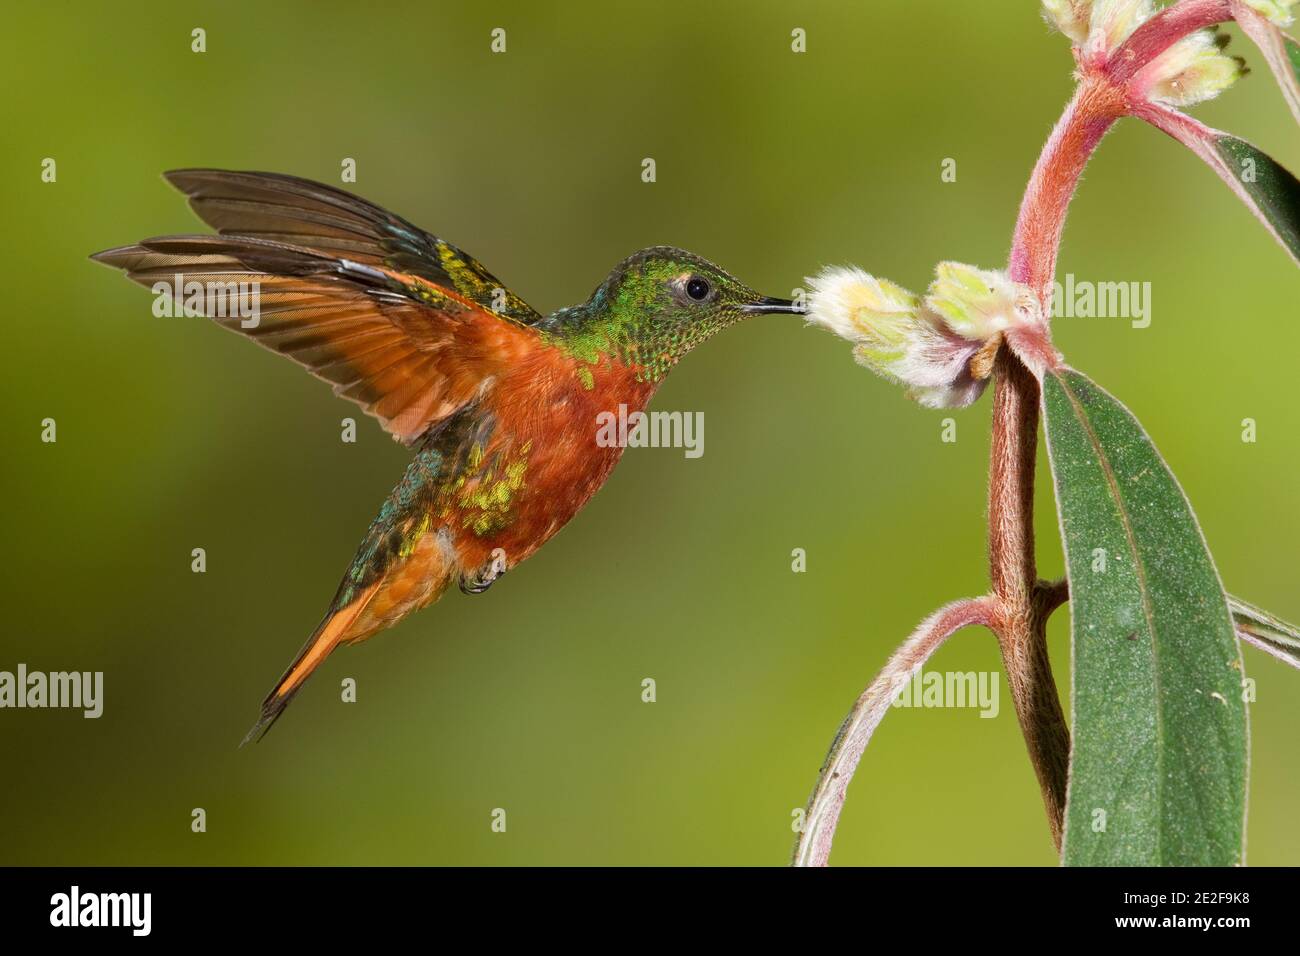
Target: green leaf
{"x":1268,"y":186}
{"x":1263,"y":184}
{"x":1158,"y":763}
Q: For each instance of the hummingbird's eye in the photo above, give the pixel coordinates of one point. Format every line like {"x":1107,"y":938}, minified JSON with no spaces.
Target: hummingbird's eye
{"x":697,"y":288}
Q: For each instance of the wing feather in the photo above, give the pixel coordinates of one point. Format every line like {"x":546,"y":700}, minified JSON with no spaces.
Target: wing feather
{"x":303,"y":213}
{"x":406,"y":351}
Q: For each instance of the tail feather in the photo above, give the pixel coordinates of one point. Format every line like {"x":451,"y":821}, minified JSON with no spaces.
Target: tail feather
{"x":400,"y":567}
{"x":272,"y":708}
{"x":332,"y":631}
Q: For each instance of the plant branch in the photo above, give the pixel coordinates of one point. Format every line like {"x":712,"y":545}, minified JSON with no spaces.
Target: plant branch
{"x":1286,"y":655}
{"x":1052,"y":594}
{"x":1013,"y":451}
{"x":813,"y":847}
{"x":1272,"y":44}
{"x":1091,"y":113}
{"x":1022,"y":602}
{"x":1100,"y":99}
{"x":1266,"y":631}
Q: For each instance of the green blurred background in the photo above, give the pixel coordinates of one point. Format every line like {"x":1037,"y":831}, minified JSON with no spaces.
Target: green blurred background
{"x":174,"y":435}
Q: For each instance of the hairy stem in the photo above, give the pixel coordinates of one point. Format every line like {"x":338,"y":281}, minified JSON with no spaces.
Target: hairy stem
{"x":813,"y":847}
{"x":1013,"y":451}
{"x":1023,"y":603}
{"x":1283,"y":653}
{"x":1095,"y":108}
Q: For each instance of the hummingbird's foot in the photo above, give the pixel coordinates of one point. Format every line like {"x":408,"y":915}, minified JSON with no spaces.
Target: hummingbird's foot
{"x":476,"y":582}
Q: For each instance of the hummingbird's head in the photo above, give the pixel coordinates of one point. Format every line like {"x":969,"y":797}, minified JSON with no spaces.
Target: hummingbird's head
{"x":661,"y":302}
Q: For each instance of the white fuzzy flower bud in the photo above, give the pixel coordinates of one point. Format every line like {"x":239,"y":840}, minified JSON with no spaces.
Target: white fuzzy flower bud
{"x":941,"y":349}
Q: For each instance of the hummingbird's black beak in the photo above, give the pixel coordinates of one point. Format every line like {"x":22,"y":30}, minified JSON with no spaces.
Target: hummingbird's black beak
{"x":769,"y":306}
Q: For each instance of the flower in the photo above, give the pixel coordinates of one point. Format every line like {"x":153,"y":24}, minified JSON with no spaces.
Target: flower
{"x":940,"y":348}
{"x":978,"y":304}
{"x":1191,"y":71}
{"x":859,"y":307}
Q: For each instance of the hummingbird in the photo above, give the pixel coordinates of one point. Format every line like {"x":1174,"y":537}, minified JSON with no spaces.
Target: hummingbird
{"x":498,"y":402}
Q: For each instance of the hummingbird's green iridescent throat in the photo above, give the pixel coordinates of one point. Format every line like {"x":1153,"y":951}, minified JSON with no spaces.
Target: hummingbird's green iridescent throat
{"x":654,"y":307}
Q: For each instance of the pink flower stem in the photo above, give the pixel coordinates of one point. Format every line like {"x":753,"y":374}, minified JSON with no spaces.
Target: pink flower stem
{"x":1089,"y":116}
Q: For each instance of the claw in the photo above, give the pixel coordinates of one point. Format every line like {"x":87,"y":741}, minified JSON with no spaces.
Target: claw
{"x":480,"y":580}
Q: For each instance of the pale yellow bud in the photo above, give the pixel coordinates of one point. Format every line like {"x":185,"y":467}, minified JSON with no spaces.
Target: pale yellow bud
{"x":1279,"y":11}
{"x":1191,"y":71}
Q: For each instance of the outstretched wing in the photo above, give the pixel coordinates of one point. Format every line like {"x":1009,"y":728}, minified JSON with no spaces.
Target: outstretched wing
{"x":303,"y":213}
{"x":402,"y":323}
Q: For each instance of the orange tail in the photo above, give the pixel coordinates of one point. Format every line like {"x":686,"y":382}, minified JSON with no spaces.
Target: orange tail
{"x":332,"y":632}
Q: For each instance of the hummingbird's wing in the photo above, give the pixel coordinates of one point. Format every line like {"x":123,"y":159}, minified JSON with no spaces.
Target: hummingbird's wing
{"x":401,"y":323}
{"x":303,"y":213}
